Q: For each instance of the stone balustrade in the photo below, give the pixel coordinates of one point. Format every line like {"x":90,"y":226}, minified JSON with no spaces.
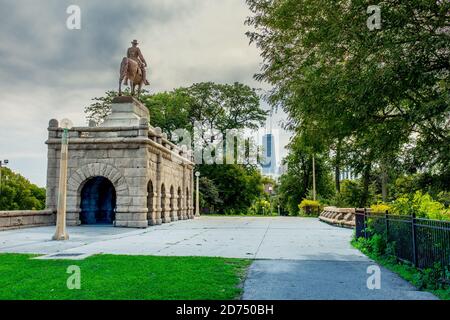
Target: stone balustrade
{"x":343,"y":217}
{"x":26,"y":219}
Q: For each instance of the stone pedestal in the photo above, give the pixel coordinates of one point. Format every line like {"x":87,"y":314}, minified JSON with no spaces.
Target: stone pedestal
{"x":126,"y":112}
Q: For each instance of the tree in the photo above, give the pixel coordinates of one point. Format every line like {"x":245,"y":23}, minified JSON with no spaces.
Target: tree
{"x":17,"y":193}
{"x":209,"y":195}
{"x":296,"y":183}
{"x":238,"y":186}
{"x":214,"y":106}
{"x":377,"y":94}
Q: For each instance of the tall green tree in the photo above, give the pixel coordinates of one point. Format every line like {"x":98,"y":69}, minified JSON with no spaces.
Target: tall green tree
{"x":379,"y":93}
{"x":228,"y":188}
{"x":238,"y":186}
{"x":17,"y":193}
{"x":297,"y":183}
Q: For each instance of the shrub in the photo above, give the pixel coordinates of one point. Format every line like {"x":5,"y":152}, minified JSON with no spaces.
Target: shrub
{"x":309,"y":207}
{"x":380,"y":208}
{"x":422,"y":205}
{"x":261,"y":206}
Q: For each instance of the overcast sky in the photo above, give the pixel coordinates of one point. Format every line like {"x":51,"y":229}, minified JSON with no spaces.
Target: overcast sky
{"x":48,"y":71}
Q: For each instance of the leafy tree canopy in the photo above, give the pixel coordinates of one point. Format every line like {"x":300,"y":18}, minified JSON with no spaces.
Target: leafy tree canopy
{"x":17,"y":193}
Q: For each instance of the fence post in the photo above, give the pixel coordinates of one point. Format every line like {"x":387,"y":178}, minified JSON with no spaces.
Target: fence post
{"x":414,"y":239}
{"x":365,"y":223}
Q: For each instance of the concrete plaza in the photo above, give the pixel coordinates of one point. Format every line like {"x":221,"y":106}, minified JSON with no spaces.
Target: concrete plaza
{"x":232,"y":237}
{"x":295,"y":258}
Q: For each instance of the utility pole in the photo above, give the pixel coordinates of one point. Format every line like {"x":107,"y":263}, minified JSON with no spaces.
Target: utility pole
{"x":197,"y":195}
{"x":314,"y":176}
{"x":61,"y":232}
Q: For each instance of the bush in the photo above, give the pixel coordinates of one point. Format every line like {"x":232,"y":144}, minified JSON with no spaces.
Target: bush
{"x":380,"y":208}
{"x":375,"y":245}
{"x":422,"y":205}
{"x":309,"y":207}
{"x":261,"y":206}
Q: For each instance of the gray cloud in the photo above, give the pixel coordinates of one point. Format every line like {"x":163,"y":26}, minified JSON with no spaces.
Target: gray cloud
{"x":37,"y":46}
{"x":48,"y":71}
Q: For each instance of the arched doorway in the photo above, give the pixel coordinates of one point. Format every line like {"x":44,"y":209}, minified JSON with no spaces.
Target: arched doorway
{"x":188,"y":203}
{"x":180,"y":214}
{"x":150,"y":196}
{"x":98,"y":202}
{"x":163,"y":203}
{"x":172,"y":198}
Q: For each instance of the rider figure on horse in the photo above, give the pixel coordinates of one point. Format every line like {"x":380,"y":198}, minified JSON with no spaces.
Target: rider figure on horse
{"x":134,"y":53}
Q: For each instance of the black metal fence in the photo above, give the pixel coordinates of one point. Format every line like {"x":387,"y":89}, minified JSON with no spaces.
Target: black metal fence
{"x":423,"y":242}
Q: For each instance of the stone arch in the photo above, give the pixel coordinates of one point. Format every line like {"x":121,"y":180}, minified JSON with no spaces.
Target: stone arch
{"x":179,"y":204}
{"x":151,"y":203}
{"x":188,"y":203}
{"x":98,"y":202}
{"x":172,"y":203}
{"x":163,"y":199}
{"x":82,"y":175}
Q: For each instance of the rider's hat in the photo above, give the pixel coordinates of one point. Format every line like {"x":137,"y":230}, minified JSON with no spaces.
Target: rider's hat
{"x":135,"y":42}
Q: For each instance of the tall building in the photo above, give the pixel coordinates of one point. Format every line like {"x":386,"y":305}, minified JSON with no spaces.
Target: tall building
{"x":269,"y":160}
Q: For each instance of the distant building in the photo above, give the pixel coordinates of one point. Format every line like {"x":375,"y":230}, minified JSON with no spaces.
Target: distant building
{"x":348,"y":174}
{"x":269,"y":160}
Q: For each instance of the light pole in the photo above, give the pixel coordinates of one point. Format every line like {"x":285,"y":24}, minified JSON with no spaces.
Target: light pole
{"x":197,"y":195}
{"x":4,"y":162}
{"x":61,"y":233}
{"x":314,"y":176}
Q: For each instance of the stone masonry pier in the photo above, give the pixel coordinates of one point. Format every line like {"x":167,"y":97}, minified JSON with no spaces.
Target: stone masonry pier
{"x":151,"y":178}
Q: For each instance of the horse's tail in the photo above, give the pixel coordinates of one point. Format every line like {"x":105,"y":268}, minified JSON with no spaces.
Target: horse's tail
{"x":123,"y":68}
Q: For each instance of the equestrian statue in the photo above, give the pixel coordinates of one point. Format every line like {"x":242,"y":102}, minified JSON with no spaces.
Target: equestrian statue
{"x":132,"y":68}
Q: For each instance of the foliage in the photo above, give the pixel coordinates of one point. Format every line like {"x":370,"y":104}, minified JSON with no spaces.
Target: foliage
{"x":309,"y":207}
{"x":422,"y":205}
{"x":425,"y":182}
{"x":380,"y":100}
{"x":169,"y":110}
{"x":351,"y":193}
{"x":375,"y":245}
{"x":219,"y":106}
{"x":380,"y":208}
{"x":17,"y":193}
{"x":209,"y":195}
{"x":297,"y":183}
{"x":444,"y":198}
{"x":261,"y":206}
{"x":110,"y":277}
{"x":238,"y":186}
{"x":429,"y":279}
{"x":224,"y":188}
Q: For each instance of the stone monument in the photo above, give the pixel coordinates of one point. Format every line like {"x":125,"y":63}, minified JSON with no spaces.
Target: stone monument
{"x":124,"y":172}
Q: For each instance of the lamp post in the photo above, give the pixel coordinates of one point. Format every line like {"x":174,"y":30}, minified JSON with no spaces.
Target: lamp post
{"x":197,"y":195}
{"x":4,"y":162}
{"x":61,"y":233}
{"x":314,"y":176}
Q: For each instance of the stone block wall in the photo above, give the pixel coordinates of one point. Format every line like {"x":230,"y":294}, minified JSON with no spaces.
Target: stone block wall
{"x":343,"y":217}
{"x":152,"y":177}
{"x":26,"y":219}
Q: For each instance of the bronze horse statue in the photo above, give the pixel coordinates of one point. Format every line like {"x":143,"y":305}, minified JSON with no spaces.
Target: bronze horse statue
{"x":130,"y":70}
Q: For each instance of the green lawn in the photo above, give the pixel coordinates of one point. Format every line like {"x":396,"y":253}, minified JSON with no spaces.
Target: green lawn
{"x":122,"y":277}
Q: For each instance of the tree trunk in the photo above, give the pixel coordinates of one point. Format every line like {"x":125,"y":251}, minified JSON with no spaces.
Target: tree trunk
{"x":366,"y":183}
{"x":337,"y":176}
{"x":384,"y":182}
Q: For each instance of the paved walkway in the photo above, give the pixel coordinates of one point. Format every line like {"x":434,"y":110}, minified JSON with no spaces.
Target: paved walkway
{"x":296,"y":258}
